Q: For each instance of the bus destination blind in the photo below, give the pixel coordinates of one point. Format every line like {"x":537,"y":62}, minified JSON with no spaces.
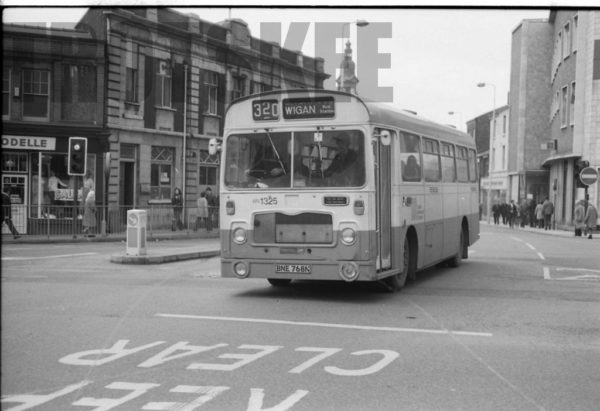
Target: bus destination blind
{"x":294,"y":108}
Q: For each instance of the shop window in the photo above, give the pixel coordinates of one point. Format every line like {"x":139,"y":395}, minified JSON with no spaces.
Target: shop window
{"x":36,"y":94}
{"x":161,"y":169}
{"x":6,"y":78}
{"x":14,"y":162}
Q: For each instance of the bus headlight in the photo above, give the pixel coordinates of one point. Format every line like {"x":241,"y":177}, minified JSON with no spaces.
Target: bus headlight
{"x":240,"y":269}
{"x":239,"y":235}
{"x":348,"y":236}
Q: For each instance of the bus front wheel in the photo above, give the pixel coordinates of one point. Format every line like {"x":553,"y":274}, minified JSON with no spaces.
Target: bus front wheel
{"x":396,"y":282}
{"x":279,"y":282}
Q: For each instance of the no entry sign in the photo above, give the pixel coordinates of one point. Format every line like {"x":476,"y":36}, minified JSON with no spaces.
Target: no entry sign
{"x":588,"y":176}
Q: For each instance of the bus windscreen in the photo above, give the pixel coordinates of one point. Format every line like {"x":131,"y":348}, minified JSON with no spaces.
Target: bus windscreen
{"x":318,"y":159}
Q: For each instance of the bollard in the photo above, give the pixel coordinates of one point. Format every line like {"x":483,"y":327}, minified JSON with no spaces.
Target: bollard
{"x":136,"y":232}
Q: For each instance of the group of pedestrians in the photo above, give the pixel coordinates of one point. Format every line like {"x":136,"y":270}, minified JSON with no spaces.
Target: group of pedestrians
{"x":207,"y":207}
{"x":526,"y":213}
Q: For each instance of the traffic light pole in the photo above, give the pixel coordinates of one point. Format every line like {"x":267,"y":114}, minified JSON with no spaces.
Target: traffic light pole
{"x":75,"y":205}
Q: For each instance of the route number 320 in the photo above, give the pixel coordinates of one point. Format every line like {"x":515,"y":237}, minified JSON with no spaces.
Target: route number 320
{"x":265,"y":110}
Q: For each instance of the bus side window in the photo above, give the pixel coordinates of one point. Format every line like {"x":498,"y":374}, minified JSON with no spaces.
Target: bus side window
{"x":431,"y":160}
{"x":462,"y":168}
{"x":410,"y":155}
{"x":448,"y":168}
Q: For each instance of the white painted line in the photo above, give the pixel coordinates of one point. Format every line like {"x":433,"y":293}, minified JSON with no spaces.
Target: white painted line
{"x":547,"y":274}
{"x":326,"y":325}
{"x":576,"y":269}
{"x":580,"y":277}
{"x":46,"y":257}
{"x":541,"y":256}
{"x":530,"y":246}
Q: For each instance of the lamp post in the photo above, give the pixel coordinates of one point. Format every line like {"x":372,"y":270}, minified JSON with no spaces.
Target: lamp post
{"x":359,"y":23}
{"x":451,"y":113}
{"x":490,"y":151}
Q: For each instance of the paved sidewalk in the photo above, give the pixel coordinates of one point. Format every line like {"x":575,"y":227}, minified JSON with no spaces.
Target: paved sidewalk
{"x":556,"y":233}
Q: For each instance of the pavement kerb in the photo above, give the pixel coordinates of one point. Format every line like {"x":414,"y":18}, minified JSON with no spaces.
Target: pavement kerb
{"x":163,"y":257}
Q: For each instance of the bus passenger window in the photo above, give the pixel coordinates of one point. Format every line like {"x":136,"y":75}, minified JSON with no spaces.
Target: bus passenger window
{"x":410,"y":157}
{"x":431,"y":160}
{"x":462,"y":170}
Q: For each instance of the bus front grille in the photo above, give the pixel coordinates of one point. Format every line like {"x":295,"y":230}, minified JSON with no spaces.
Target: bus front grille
{"x":305,"y":228}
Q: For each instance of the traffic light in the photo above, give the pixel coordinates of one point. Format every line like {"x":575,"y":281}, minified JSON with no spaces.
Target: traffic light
{"x":77,"y":160}
{"x":578,"y":166}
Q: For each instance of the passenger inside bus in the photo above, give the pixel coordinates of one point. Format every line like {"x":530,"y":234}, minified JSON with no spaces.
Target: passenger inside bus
{"x":267,"y":164}
{"x":344,"y":158}
{"x":411,"y":171}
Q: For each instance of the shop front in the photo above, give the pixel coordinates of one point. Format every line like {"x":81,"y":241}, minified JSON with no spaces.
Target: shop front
{"x":34,"y":175}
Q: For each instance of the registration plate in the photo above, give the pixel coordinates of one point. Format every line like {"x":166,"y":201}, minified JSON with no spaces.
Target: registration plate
{"x":293,"y":268}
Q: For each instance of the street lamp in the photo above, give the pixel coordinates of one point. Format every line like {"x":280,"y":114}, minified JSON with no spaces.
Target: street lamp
{"x":490,"y":151}
{"x":359,"y":23}
{"x":451,"y":113}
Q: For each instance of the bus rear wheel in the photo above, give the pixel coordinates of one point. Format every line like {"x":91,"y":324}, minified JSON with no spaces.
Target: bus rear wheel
{"x":279,"y":282}
{"x":462,"y":251}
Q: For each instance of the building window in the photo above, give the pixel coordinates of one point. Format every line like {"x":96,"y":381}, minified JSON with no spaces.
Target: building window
{"x":572,"y":105}
{"x":161,"y":168}
{"x":6,"y":77}
{"x":504,"y":157}
{"x":560,"y":46}
{"x":131,"y":73}
{"x":504,"y":125}
{"x":163,"y":84}
{"x":564,"y":107}
{"x":211,"y":84}
{"x":36,"y":94}
{"x":574,"y":34}
{"x":79,"y":93}
{"x":567,"y":41}
{"x":239,"y":85}
{"x":256,"y":87}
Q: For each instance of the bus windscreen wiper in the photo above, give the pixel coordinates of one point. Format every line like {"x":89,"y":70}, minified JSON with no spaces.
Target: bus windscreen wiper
{"x":275,"y":151}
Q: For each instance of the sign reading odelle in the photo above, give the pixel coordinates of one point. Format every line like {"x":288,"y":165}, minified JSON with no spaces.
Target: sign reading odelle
{"x":28,"y":143}
{"x":300,"y":108}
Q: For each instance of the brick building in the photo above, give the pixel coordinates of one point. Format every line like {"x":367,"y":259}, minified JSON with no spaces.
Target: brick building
{"x":52,"y":89}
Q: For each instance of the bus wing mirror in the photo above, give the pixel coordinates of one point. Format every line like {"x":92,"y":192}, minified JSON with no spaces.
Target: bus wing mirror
{"x":213,"y":146}
{"x":385,"y":137}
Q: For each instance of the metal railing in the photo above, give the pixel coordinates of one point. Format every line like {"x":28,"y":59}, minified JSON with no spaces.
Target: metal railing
{"x":58,"y":221}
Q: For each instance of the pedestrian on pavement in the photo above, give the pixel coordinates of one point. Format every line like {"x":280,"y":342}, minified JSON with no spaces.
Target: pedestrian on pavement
{"x":578,"y":218}
{"x":539,"y":215}
{"x":212,"y":208}
{"x":202,"y":211}
{"x":591,"y":217}
{"x":496,"y":213}
{"x":177,"y":203}
{"x":548,"y":212}
{"x":89,"y":214}
{"x":7,"y":215}
{"x":513,"y":213}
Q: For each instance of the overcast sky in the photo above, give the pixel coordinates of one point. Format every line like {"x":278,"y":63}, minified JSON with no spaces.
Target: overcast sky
{"x":437,"y":55}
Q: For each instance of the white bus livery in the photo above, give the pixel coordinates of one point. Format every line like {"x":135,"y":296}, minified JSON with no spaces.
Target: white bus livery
{"x":322,"y":185}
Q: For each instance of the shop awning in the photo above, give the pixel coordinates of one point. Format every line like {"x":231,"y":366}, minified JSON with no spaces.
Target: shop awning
{"x":559,"y":157}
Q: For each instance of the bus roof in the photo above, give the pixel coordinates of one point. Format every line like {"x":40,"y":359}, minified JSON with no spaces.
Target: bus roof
{"x":376,"y":113}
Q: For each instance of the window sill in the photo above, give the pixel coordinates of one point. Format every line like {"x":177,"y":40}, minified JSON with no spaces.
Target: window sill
{"x":159,"y":202}
{"x":211,"y":115}
{"x":132,"y":116}
{"x":165,"y":108}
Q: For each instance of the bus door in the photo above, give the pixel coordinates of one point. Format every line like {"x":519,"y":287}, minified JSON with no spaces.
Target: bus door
{"x":383,"y":186}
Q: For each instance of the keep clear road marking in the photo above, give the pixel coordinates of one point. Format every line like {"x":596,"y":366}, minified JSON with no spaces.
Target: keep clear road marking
{"x":575,"y":277}
{"x":325,"y":325}
{"x":46,"y":256}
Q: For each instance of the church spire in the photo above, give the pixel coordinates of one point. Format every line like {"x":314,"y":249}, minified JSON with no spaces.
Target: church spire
{"x":347,"y":80}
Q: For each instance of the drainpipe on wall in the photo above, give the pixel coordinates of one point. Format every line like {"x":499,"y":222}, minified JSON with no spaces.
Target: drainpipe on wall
{"x":183,"y":160}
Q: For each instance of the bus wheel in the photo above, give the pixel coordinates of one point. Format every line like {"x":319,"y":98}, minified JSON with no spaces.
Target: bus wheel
{"x":279,"y":282}
{"x":396,"y":282}
{"x":462,"y":250}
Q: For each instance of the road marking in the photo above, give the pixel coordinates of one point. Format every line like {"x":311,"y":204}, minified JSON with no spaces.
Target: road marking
{"x":541,"y":256}
{"x":575,"y":277}
{"x":547,"y":273}
{"x":325,"y":325}
{"x":46,"y":257}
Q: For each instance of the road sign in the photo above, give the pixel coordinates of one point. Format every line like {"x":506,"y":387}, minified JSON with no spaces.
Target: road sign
{"x":588,"y":176}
